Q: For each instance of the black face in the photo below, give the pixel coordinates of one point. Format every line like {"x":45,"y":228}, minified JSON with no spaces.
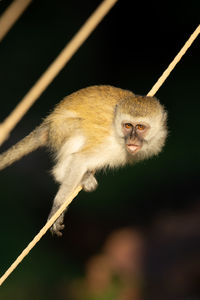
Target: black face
{"x":134,"y":135}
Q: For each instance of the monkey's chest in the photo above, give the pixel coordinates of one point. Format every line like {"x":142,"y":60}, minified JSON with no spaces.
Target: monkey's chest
{"x":109,"y":154}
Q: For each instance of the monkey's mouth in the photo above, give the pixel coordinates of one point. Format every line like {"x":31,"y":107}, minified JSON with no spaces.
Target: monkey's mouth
{"x":133,"y":148}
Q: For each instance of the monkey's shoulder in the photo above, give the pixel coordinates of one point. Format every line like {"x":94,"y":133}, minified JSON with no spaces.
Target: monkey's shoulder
{"x":90,"y":97}
{"x":94,"y":105}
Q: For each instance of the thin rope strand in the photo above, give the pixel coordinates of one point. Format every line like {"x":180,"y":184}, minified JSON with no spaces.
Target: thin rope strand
{"x":11,"y":15}
{"x":172,"y":65}
{"x":53,"y":70}
{"x":46,"y":227}
{"x":39,"y":235}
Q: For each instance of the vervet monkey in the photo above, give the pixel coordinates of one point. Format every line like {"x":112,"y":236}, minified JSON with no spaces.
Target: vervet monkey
{"x":94,"y":128}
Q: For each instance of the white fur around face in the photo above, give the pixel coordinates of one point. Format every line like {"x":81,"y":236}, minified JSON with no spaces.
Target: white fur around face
{"x":155,"y":136}
{"x":118,"y":123}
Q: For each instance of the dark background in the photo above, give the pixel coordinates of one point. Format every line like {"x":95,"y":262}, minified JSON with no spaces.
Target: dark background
{"x":130,"y":49}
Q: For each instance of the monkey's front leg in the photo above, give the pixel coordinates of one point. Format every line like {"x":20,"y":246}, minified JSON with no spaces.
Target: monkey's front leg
{"x":89,"y":184}
{"x":71,"y":180}
{"x":58,"y":225}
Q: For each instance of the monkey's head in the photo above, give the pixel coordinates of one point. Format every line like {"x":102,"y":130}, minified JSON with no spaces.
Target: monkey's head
{"x":140,"y":123}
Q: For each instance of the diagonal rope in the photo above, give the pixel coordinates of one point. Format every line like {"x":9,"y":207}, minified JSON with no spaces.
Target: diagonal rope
{"x":53,"y":70}
{"x":39,"y":235}
{"x":67,"y":202}
{"x":11,"y":15}
{"x":172,"y":65}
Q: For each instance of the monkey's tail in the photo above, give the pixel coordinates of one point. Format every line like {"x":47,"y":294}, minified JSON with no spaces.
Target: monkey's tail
{"x":37,"y":138}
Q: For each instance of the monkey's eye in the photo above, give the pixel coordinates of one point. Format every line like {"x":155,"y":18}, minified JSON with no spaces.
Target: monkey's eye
{"x":128,"y":126}
{"x":140,"y":127}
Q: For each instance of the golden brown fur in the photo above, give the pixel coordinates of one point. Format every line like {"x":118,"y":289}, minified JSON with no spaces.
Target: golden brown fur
{"x":94,"y":128}
{"x":93,"y":105}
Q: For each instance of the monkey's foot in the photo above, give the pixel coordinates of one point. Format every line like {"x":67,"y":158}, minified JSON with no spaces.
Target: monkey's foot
{"x":58,"y":226}
{"x":89,"y":182}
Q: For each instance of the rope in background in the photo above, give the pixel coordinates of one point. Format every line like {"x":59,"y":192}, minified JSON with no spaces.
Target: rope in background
{"x":78,"y":189}
{"x":11,"y":15}
{"x":177,"y":58}
{"x":53,"y":70}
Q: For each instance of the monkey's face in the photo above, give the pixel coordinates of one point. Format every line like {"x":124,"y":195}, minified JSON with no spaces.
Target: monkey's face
{"x":134,"y":134}
{"x":141,"y":124}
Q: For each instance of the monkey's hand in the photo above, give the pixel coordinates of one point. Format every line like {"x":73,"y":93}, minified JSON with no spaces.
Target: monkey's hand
{"x":58,"y":226}
{"x":89,"y":182}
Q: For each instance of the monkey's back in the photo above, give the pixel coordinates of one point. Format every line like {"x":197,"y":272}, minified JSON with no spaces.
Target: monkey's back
{"x":90,"y":111}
